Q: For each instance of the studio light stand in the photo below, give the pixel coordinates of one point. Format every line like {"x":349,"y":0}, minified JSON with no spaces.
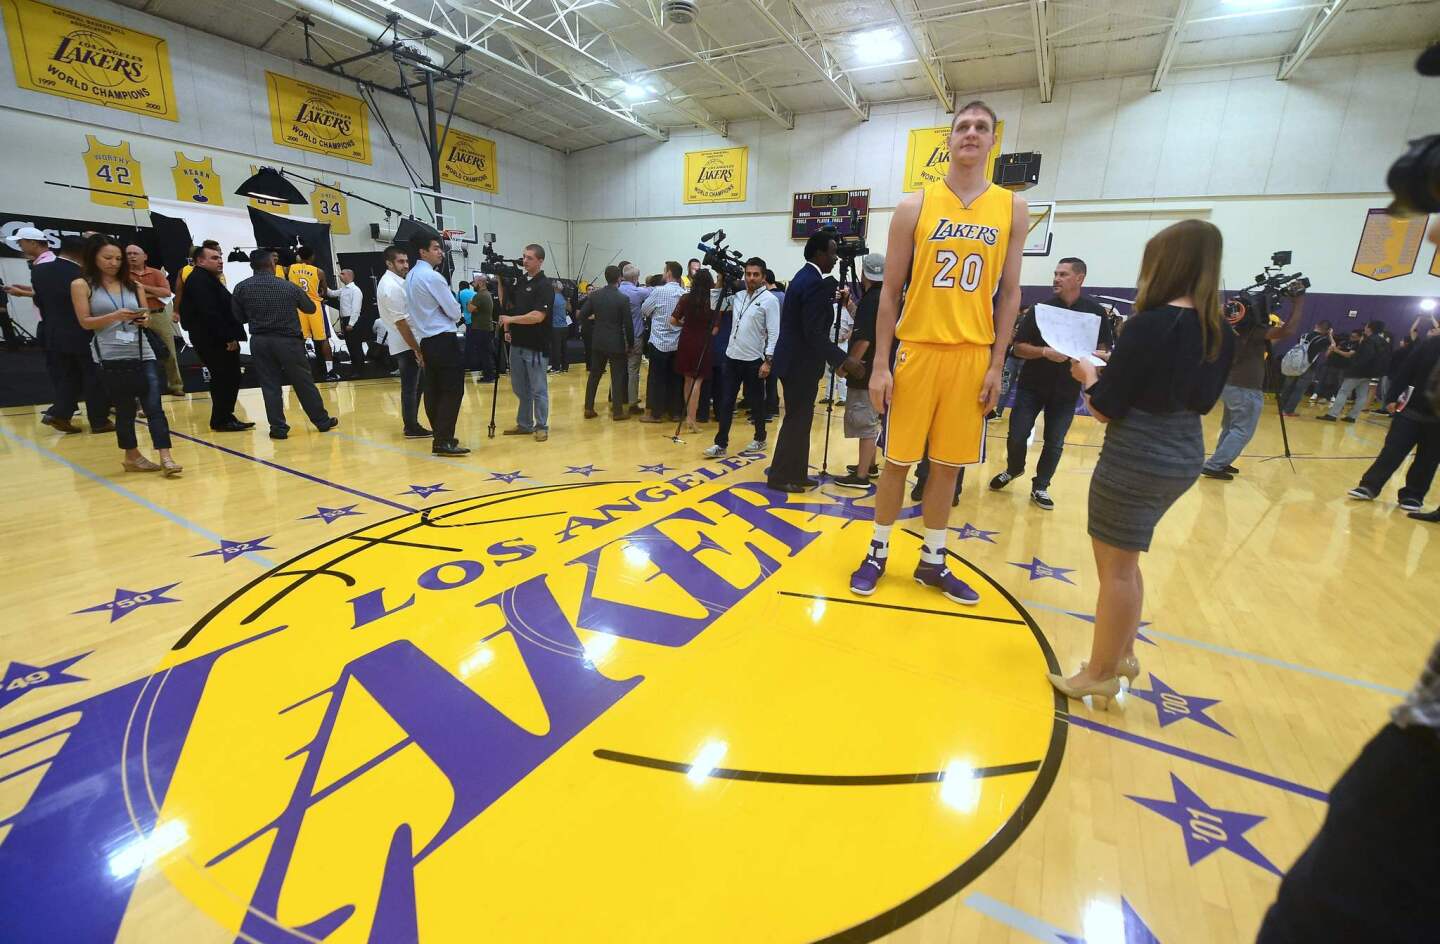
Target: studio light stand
{"x":847,"y":278}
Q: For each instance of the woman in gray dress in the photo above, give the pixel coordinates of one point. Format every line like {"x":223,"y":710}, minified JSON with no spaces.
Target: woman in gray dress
{"x":109,"y":302}
{"x":1168,"y":369}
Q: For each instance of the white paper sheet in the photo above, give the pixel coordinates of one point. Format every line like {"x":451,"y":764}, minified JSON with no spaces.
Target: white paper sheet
{"x":1072,"y":333}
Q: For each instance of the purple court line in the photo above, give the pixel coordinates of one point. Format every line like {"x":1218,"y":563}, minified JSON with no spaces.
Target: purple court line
{"x":1229,"y":768}
{"x":296,"y":472}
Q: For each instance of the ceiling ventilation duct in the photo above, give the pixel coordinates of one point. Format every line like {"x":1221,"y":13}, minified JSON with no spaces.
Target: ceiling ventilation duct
{"x":680,"y":11}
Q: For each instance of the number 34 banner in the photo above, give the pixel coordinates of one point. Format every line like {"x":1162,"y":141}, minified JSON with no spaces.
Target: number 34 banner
{"x":328,"y":206}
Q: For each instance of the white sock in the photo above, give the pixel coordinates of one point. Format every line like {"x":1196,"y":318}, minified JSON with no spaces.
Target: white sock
{"x":880,"y":542}
{"x":933,"y":550}
{"x":329,"y":366}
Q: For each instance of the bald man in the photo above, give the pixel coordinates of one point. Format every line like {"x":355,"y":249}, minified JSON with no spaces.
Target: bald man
{"x":349,"y":328}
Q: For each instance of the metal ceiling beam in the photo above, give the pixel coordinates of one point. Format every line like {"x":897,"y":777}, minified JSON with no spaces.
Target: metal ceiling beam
{"x":1314,"y":33}
{"x":556,"y":81}
{"x":579,"y":34}
{"x":818,"y":54}
{"x":911,"y":22}
{"x":1172,"y":45}
{"x":742,"y":83}
{"x":1044,"y":55}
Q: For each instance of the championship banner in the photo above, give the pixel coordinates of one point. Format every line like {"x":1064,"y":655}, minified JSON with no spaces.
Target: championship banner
{"x":927,"y":157}
{"x":267,"y":206}
{"x":716,"y":176}
{"x":1388,"y":245}
{"x":72,"y":55}
{"x":314,"y":118}
{"x":196,"y":181}
{"x":329,"y":206}
{"x":468,"y":160}
{"x":110,"y":168}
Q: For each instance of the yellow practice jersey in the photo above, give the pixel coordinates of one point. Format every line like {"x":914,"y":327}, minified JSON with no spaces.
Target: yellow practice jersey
{"x":959,"y":255}
{"x":308,"y":278}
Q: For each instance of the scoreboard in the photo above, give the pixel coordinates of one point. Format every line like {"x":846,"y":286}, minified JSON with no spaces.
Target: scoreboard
{"x":846,"y":210}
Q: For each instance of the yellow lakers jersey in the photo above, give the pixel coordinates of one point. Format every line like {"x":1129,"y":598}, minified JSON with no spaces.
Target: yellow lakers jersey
{"x":959,"y":255}
{"x":308,"y":278}
{"x":114,"y":174}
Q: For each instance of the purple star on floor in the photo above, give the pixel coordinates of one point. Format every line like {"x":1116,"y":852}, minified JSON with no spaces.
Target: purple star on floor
{"x":229,"y":550}
{"x":328,"y":515}
{"x":1039,"y":570}
{"x":128,"y":601}
{"x":507,"y":477}
{"x":22,"y":677}
{"x":658,"y":469}
{"x":1139,"y":636}
{"x":1135,"y":930}
{"x":1173,"y":706}
{"x":585,"y":470}
{"x":1206,"y":828}
{"x":970,"y":531}
{"x":425,"y":491}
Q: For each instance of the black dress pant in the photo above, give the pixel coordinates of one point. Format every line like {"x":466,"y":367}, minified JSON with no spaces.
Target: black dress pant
{"x":736,"y":374}
{"x":1371,"y":872}
{"x":278,"y":360}
{"x":411,"y":383}
{"x":559,"y":358}
{"x":76,"y":376}
{"x":444,"y":384}
{"x":224,"y":367}
{"x":790,"y":463}
{"x":619,"y":381}
{"x":1406,"y":434}
{"x":664,"y":390}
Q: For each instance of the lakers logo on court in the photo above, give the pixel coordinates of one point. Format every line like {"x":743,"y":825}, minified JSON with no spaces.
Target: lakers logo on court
{"x":525,"y":715}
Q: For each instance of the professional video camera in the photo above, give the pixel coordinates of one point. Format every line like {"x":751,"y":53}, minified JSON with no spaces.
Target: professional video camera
{"x":507,"y":270}
{"x":1255,"y":304}
{"x":717,"y":257}
{"x":851,"y":245}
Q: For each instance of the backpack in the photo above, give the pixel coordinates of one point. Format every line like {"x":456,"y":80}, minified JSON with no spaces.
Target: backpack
{"x":1296,"y":360}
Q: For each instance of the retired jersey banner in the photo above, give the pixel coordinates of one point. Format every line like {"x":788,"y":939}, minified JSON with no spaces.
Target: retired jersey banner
{"x":1388,"y":246}
{"x":114,"y":174}
{"x":328,"y":206}
{"x":196,"y":181}
{"x":314,"y":118}
{"x":716,"y":176}
{"x":89,"y":59}
{"x":928,"y":156}
{"x":468,"y":160}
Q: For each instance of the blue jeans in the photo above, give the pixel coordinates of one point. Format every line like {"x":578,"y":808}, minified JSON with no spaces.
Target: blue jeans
{"x":531,"y":386}
{"x":1242,"y":416}
{"x":1059,"y":410}
{"x":1295,"y":388}
{"x":154,"y":412}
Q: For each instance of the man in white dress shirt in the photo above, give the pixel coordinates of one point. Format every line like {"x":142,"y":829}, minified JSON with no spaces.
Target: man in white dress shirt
{"x":754,"y":327}
{"x":351,"y":300}
{"x":399,"y":339}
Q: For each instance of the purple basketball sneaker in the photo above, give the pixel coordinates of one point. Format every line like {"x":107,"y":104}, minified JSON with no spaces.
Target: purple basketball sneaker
{"x":871,"y":569}
{"x":939,"y":577}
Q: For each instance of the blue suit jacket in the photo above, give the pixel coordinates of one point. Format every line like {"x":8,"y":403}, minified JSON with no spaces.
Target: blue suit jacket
{"x":807,"y":321}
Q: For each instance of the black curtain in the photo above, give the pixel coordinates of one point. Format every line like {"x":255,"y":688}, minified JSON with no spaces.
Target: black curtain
{"x":279,"y":232}
{"x":169,"y":244}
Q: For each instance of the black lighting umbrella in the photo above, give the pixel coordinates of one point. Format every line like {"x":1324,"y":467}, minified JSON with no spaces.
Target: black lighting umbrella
{"x":270,"y":184}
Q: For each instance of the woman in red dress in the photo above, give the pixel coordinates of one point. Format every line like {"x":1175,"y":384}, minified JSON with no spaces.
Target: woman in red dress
{"x":697,"y":323}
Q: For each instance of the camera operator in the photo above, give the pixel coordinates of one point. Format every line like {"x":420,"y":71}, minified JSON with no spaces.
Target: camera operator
{"x":526,"y":325}
{"x":1360,"y":363}
{"x":1244,"y":395}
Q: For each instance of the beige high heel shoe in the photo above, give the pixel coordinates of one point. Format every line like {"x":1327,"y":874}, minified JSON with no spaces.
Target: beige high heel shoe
{"x":1101,"y":692}
{"x":170,"y":468}
{"x":141,"y":464}
{"x":1127,"y":668}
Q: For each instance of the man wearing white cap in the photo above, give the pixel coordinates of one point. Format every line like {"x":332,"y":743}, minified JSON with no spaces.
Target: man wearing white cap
{"x":862,"y":422}
{"x":35,"y":245}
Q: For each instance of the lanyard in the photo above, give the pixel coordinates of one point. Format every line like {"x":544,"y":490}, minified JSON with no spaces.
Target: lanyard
{"x":740,"y":315}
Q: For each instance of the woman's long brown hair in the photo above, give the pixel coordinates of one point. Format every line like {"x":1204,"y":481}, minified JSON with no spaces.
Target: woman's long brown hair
{"x":1184,"y":260}
{"x":700,"y":285}
{"x":90,"y":264}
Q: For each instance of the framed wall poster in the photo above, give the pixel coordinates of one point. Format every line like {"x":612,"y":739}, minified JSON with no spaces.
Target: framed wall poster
{"x":717,"y":175}
{"x":315,"y":118}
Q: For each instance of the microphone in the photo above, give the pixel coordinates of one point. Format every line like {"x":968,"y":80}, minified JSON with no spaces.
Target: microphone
{"x":709,"y":236}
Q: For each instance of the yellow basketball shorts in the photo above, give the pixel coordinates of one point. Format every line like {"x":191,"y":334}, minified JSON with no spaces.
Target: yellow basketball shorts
{"x":313,"y":326}
{"x":937,"y":402}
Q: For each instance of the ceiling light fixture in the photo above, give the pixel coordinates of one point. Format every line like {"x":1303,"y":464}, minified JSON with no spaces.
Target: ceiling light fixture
{"x":636,"y":91}
{"x":879,"y":46}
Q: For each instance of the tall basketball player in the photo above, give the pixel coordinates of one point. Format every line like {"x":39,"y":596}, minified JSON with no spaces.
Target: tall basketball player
{"x":310,"y":277}
{"x":951,"y":242}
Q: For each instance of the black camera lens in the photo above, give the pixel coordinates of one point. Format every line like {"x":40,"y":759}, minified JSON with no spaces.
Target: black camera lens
{"x":1415,"y":178}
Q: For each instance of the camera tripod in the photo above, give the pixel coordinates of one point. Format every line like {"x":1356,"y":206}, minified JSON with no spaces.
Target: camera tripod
{"x":847,"y":278}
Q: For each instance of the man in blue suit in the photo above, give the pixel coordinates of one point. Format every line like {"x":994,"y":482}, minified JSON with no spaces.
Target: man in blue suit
{"x":805,"y":346}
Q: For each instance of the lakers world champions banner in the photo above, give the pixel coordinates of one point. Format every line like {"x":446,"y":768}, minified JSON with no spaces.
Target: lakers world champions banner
{"x":928,"y":156}
{"x":716,"y":176}
{"x":468,"y":160}
{"x":314,"y":118}
{"x":88,"y":59}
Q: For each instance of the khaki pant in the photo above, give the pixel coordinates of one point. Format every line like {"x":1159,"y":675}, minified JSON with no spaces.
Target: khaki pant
{"x":164,"y":329}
